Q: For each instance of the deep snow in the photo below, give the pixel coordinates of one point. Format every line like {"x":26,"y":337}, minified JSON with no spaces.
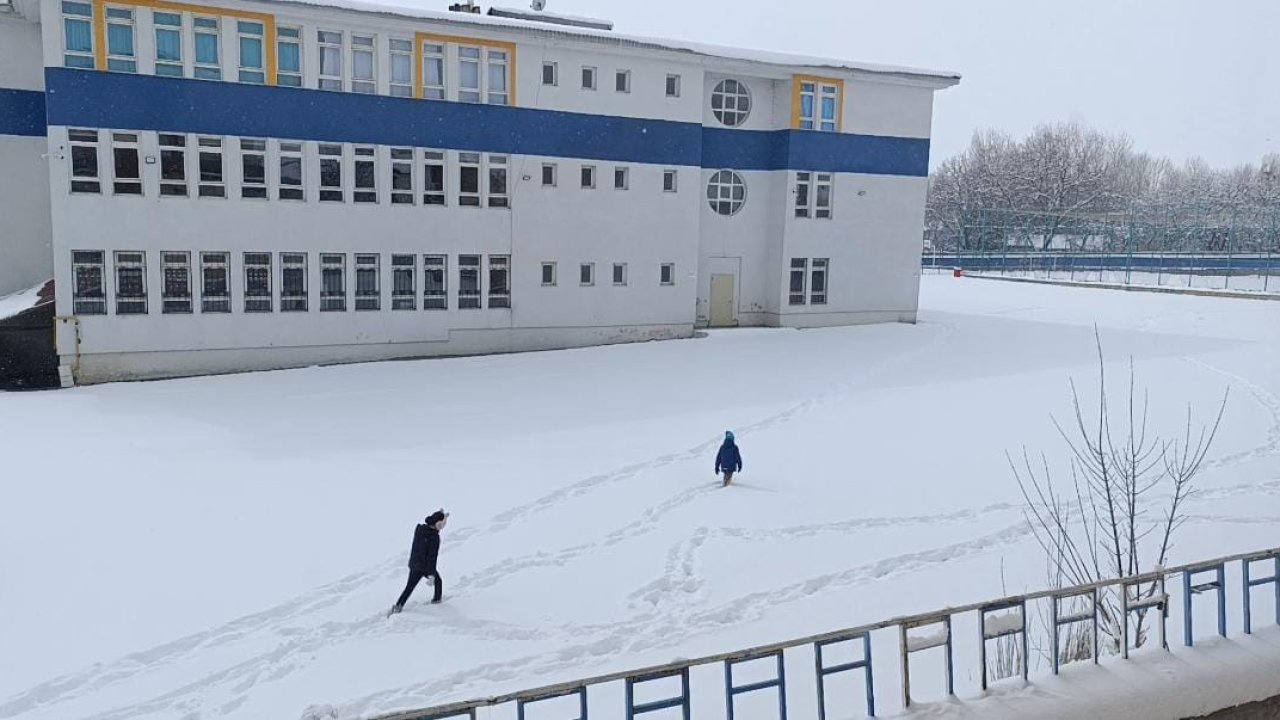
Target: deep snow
{"x":225,"y":547}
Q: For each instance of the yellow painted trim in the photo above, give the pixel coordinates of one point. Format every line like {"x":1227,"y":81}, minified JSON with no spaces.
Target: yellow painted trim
{"x":797,"y":80}
{"x":420,"y":39}
{"x":268,"y":25}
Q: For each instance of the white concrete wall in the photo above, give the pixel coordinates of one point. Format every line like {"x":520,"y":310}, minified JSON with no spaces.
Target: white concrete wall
{"x":25,"y":234}
{"x":744,"y":245}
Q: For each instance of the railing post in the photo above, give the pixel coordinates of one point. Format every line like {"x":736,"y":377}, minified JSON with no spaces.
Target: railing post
{"x":1249,"y":584}
{"x":580,"y":691}
{"x":985,"y":634}
{"x":681,"y":701}
{"x":1190,"y":589}
{"x":823,"y":671}
{"x":779,"y":681}
{"x":906,"y":647}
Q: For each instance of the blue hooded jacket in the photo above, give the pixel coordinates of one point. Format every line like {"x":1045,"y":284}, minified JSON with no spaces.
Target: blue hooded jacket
{"x":728,"y":459}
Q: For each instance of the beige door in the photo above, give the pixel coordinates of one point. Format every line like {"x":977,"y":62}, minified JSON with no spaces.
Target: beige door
{"x":722,"y":314}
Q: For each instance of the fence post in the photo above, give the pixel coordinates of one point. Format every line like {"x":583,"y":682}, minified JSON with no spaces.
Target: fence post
{"x":1190,"y":589}
{"x":1249,"y":584}
{"x":779,"y":681}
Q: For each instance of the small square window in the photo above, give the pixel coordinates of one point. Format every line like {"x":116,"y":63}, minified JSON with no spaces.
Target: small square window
{"x":588,"y":78}
{"x":588,"y":176}
{"x":622,"y":81}
{"x":673,"y":86}
{"x":550,"y":73}
{"x":548,"y":175}
{"x":619,"y":273}
{"x":587,"y":274}
{"x":667,"y":274}
{"x":669,"y":181}
{"x":548,"y":274}
{"x":620,"y":178}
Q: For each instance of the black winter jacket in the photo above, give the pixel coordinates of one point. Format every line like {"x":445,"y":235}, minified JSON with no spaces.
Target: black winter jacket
{"x":425,"y":549}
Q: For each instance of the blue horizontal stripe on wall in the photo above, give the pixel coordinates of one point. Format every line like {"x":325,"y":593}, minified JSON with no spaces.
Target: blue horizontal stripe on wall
{"x":140,"y":102}
{"x":22,"y":113}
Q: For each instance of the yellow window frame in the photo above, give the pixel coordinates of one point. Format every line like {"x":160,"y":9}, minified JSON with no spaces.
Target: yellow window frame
{"x":797,"y":81}
{"x":421,"y":39}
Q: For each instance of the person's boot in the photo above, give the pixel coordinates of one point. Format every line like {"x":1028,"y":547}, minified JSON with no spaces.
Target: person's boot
{"x":395,"y":610}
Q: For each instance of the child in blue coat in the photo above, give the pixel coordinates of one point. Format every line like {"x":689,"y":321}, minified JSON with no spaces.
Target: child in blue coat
{"x":728,"y":460}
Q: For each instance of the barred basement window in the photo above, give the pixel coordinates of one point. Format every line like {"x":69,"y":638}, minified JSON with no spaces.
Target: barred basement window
{"x":250,"y":36}
{"x":126,"y":169}
{"x":362,"y":65}
{"x":469,"y":179}
{"x":291,"y":172}
{"x":433,"y":87}
{"x":77,"y":34}
{"x":173,"y":165}
{"x":669,"y":181}
{"x":215,"y":282}
{"x":293,"y":282}
{"x":434,"y":290}
{"x":587,"y":274}
{"x":131,"y":283}
{"x":366,"y":175}
{"x":499,"y":281}
{"x":368,"y":289}
{"x":726,"y":192}
{"x":168,"y":33}
{"x":799,"y":266}
{"x":333,"y":282}
{"x":89,"y":295}
{"x":176,"y":294}
{"x":548,"y":174}
{"x":731,"y":102}
{"x":212,"y":182}
{"x":401,"y":67}
{"x":253,"y":161}
{"x":84,"y":161}
{"x":818,"y":282}
{"x":257,"y":282}
{"x":401,"y":176}
{"x":331,"y":189}
{"x":330,"y":75}
{"x":548,"y":274}
{"x":208,"y":48}
{"x":619,"y":273}
{"x":667,"y":274}
{"x":289,"y":57}
{"x":433,"y":192}
{"x":404,"y":294}
{"x":120,"y":49}
{"x":498,"y":182}
{"x":468,"y":282}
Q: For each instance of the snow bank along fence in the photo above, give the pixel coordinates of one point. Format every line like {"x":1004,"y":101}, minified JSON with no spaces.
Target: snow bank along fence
{"x":1081,"y":606}
{"x":1254,"y":271}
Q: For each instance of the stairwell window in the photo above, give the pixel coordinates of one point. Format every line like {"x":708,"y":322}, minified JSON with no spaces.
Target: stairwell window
{"x":622,"y":81}
{"x":168,"y":33}
{"x":499,"y":281}
{"x":435,"y":291}
{"x":401,"y":83}
{"x":498,"y":194}
{"x":257,"y":282}
{"x":366,"y":180}
{"x":587,"y":274}
{"x":126,"y":169}
{"x":89,"y":296}
{"x":433,"y":81}
{"x":250,"y":37}
{"x":548,"y":274}
{"x":433,"y":174}
{"x":468,"y":282}
{"x":120,"y":41}
{"x":669,"y":181}
{"x":330,"y":45}
{"x":291,"y":187}
{"x":131,"y":283}
{"x":548,"y":175}
{"x":469,"y":179}
{"x":212,"y":179}
{"x":363,"y":78}
{"x":208,"y":48}
{"x":619,"y":273}
{"x":173,"y":165}
{"x":799,"y":269}
{"x":667,"y":274}
{"x":84,"y":161}
{"x":588,"y":178}
{"x":368,"y":287}
{"x":289,"y":57}
{"x":402,"y":176}
{"x":333,"y":282}
{"x":215,"y":285}
{"x":621,"y":178}
{"x":404,"y":294}
{"x":293,"y":282}
{"x":176,"y":293}
{"x":77,"y":35}
{"x":550,"y":73}
{"x":253,"y":167}
{"x":818,"y":281}
{"x":331,"y":189}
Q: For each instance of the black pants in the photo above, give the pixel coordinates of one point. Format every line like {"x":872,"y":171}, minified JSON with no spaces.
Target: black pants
{"x":414,"y":577}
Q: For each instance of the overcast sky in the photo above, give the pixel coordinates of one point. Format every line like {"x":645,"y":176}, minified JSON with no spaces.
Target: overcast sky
{"x":1183,"y":78}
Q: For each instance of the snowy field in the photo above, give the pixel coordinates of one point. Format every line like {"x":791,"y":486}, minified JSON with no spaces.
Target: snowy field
{"x":225,"y":547}
{"x":1234,"y":283}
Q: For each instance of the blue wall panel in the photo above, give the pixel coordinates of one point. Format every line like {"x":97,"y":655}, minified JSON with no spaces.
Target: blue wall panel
{"x":22,"y":113}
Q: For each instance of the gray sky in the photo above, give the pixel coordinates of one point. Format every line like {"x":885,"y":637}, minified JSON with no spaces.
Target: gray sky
{"x":1183,"y":78}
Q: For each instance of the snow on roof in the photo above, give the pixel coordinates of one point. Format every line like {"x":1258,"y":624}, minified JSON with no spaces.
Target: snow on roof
{"x":948,"y":78}
{"x":24,"y":300}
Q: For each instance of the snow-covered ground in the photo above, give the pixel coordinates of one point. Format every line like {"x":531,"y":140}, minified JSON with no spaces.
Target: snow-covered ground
{"x":225,"y":547}
{"x":1234,"y":283}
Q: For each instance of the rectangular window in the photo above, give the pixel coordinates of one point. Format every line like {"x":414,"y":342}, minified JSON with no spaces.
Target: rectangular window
{"x":667,"y":274}
{"x":173,"y":165}
{"x":89,"y":295}
{"x":433,"y":192}
{"x":588,"y":176}
{"x":131,"y":283}
{"x":819,"y":105}
{"x":498,"y":196}
{"x":469,"y":74}
{"x":291,"y":172}
{"x":168,"y":32}
{"x":77,"y":34}
{"x":548,"y":175}
{"x":250,"y":44}
{"x":804,"y":193}
{"x":827,"y":108}
{"x":289,"y":57}
{"x":550,"y":73}
{"x":125,"y":168}
{"x":401,"y":67}
{"x":496,"y":89}
{"x":120,"y":45}
{"x":673,"y":86}
{"x":587,"y":274}
{"x":363,"y":79}
{"x":499,"y":281}
{"x":331,"y":189}
{"x":433,"y":87}
{"x":622,"y":81}
{"x":799,"y":267}
{"x":368,"y":288}
{"x":333,"y":282}
{"x":469,"y":179}
{"x":548,"y":274}
{"x":176,"y":294}
{"x":84,"y":161}
{"x":813,"y":195}
{"x":435,"y":293}
{"x":366,"y":175}
{"x":212,"y":181}
{"x":257,"y":282}
{"x":669,"y":181}
{"x":588,"y":78}
{"x":404,"y":294}
{"x":468,"y":282}
{"x":215,"y":282}
{"x":822,"y":196}
{"x":330,"y":77}
{"x":208,"y":48}
{"x":818,"y":282}
{"x":293,"y":282}
{"x":401,"y":176}
{"x":619,"y":273}
{"x":620,"y":178}
{"x":253,"y":164}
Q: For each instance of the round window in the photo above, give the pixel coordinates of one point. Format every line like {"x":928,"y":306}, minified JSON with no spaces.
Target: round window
{"x":726,"y":192}
{"x":731,"y":102}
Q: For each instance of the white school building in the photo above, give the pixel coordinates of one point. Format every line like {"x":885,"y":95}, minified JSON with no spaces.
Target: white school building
{"x":241,"y":185}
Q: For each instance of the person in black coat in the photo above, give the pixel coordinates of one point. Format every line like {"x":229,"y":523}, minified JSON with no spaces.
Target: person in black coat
{"x":728,"y":460}
{"x":422,"y":558}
